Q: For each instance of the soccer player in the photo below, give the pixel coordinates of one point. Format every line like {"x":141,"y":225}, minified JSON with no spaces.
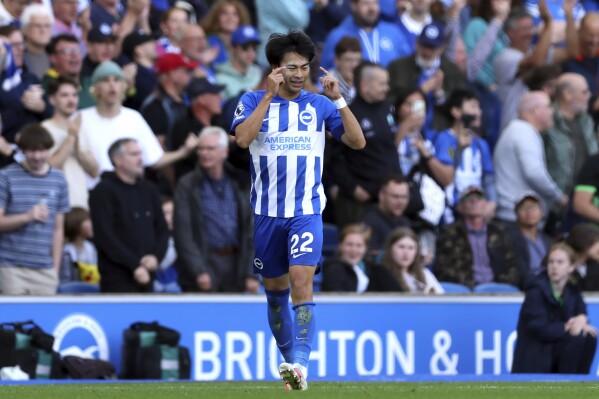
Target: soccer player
{"x":284,"y":128}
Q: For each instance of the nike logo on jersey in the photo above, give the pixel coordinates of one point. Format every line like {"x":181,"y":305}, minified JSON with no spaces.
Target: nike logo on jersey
{"x":298,"y":255}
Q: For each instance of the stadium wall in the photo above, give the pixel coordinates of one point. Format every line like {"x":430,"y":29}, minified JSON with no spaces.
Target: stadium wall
{"x":359,"y":338}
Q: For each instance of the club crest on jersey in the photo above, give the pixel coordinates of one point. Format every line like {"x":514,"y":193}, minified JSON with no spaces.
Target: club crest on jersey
{"x":239,"y":110}
{"x":366,"y":124}
{"x":307,"y":117}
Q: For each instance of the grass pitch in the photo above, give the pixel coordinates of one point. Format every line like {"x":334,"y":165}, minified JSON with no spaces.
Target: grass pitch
{"x":328,"y":390}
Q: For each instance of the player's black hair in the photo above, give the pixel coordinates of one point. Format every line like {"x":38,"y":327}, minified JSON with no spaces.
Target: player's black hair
{"x":295,"y":41}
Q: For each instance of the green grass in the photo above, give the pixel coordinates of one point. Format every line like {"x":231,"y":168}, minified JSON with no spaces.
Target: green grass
{"x":328,"y":390}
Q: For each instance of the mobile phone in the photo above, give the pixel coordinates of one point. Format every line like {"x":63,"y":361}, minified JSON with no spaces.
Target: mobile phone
{"x":418,"y":107}
{"x":467,"y":120}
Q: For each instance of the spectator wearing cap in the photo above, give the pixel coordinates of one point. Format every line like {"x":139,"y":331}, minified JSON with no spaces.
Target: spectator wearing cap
{"x":65,"y":57}
{"x":213,"y":222}
{"x":519,"y":158}
{"x":65,"y":21}
{"x":473,"y":251}
{"x":172,"y":25}
{"x":101,"y":46}
{"x":240,"y":73}
{"x":205,"y":106}
{"x":168,"y":102}
{"x":122,"y":17}
{"x":109,"y":121}
{"x":36,"y":25}
{"x":529,"y":241}
{"x":381,"y":41}
{"x":140,"y":49}
{"x":427,"y":68}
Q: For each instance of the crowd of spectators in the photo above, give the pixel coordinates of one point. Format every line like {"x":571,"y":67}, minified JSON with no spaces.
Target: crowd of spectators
{"x":480,"y":118}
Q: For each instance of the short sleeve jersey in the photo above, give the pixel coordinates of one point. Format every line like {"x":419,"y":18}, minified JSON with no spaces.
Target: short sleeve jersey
{"x":286,"y":158}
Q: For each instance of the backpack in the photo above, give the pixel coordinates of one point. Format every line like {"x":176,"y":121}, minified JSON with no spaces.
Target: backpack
{"x":152,"y":351}
{"x":79,"y":368}
{"x":25,"y":344}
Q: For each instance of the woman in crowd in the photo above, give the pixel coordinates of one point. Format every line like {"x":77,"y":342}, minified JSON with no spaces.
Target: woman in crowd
{"x":348,"y":271}
{"x":404,"y":259}
{"x":224,"y":17}
{"x":554,"y":334}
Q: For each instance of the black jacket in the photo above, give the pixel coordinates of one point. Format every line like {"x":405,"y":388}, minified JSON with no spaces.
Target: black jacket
{"x":520,"y":247}
{"x":378,"y":160}
{"x":339,"y":276}
{"x":128,"y":224}
{"x":541,"y":325}
{"x":190,"y":230}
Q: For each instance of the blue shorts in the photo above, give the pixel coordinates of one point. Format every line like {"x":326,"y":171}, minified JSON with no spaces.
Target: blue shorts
{"x":283,"y":242}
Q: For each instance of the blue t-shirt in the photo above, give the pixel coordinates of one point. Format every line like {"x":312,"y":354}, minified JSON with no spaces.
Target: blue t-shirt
{"x":31,"y":245}
{"x":382,"y":44}
{"x":286,"y":158}
{"x":475,"y":162}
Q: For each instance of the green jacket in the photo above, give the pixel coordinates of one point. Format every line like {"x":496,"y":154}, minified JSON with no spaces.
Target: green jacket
{"x":560,"y":151}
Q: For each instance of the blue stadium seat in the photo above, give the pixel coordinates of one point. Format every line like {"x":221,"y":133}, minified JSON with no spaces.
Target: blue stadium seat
{"x":495,"y":288}
{"x":330,"y":239}
{"x":454,"y":288}
{"x":78,"y":287}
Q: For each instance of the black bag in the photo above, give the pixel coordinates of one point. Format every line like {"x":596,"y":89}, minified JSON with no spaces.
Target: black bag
{"x":25,"y":344}
{"x":79,"y":368}
{"x":152,"y":351}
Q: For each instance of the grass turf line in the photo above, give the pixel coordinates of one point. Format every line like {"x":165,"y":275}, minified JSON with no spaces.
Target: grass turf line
{"x":328,"y":390}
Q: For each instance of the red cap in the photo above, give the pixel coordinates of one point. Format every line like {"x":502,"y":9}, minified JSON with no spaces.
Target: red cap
{"x":172,"y":61}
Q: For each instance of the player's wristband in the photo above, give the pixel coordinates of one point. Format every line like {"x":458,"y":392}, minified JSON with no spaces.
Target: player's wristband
{"x":340,"y":103}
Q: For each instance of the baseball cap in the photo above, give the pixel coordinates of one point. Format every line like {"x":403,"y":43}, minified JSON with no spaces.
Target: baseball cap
{"x":171,"y":61}
{"x":199,"y":86}
{"x":101,"y":33}
{"x":134,"y":39}
{"x":245,"y":34}
{"x":471,"y":190}
{"x":527,"y":195}
{"x":432,"y":35}
{"x":106,"y":69}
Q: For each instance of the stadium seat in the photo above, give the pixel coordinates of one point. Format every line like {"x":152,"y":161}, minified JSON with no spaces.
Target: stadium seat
{"x":495,"y":288}
{"x":78,"y":287}
{"x":454,"y":288}
{"x":330,"y":239}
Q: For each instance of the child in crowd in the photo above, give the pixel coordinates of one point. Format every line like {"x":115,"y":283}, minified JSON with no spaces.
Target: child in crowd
{"x":347,"y":271}
{"x":79,"y":256}
{"x":166,"y":275}
{"x":554,"y":334}
{"x":403,"y":257}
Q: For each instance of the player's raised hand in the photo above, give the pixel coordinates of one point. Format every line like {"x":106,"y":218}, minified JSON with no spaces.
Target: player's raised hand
{"x":330,"y":85}
{"x":275,"y":80}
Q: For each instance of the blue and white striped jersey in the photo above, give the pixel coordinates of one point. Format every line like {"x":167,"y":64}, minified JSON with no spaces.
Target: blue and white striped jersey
{"x":287,"y":155}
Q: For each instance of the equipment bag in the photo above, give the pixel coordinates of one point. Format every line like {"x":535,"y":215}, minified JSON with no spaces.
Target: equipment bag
{"x":79,"y":368}
{"x":152,"y":351}
{"x":27,"y":345}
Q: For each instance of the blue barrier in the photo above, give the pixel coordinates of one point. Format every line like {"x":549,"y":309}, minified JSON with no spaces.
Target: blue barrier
{"x":359,"y":338}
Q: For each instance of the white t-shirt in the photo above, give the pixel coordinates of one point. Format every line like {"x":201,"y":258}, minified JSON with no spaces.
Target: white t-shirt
{"x":73,"y":171}
{"x":101,"y":132}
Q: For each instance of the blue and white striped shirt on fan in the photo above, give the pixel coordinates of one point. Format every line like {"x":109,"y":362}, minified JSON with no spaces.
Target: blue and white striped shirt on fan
{"x":287,"y":155}
{"x":31,"y":245}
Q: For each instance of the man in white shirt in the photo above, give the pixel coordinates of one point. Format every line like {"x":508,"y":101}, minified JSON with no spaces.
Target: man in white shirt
{"x":109,"y":121}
